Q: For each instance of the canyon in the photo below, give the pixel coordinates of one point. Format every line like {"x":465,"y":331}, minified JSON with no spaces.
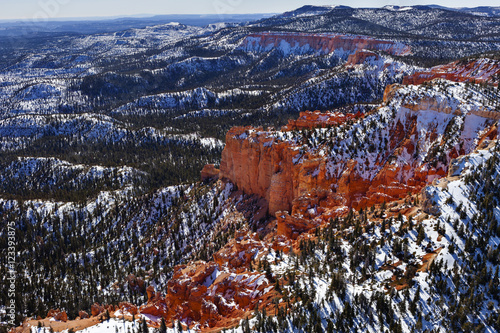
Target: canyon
{"x":294,"y":177}
{"x":377,"y":213}
{"x":317,"y":168}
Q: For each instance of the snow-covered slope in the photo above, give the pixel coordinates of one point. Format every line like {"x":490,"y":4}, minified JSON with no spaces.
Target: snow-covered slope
{"x":372,"y":217}
{"x":423,"y":257}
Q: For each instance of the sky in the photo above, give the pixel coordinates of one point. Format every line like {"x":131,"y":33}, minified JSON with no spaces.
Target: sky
{"x":46,"y":9}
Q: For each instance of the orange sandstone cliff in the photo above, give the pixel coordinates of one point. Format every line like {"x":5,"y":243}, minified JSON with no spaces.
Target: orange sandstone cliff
{"x":323,"y":164}
{"x":216,"y":294}
{"x":315,"y":168}
{"x":259,"y":163}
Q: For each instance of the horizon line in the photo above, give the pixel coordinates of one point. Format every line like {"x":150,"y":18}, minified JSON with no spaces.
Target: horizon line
{"x":131,"y":16}
{"x":145,"y":16}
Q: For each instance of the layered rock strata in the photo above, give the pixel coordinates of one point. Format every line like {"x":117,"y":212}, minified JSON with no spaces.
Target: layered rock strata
{"x":323,"y":164}
{"x":320,"y":43}
{"x":479,"y":71}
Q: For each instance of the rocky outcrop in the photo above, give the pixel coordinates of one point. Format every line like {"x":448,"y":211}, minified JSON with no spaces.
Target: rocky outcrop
{"x":58,"y":315}
{"x":186,"y":290}
{"x":320,"y":43}
{"x":252,"y":162}
{"x":61,"y":316}
{"x":128,"y":308}
{"x":201,"y":293}
{"x":360,"y":56}
{"x":240,"y":251}
{"x":83,"y":315}
{"x":293,"y":226}
{"x":97,"y":309}
{"x":305,"y":182}
{"x":480,"y":70}
{"x":209,"y":172}
{"x":259,"y":164}
{"x":151,"y":293}
{"x":313,"y":119}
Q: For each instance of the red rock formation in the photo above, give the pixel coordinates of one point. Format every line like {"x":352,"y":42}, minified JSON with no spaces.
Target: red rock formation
{"x":254,"y":164}
{"x":186,"y":288}
{"x":58,"y":315}
{"x":360,"y":56}
{"x":209,"y":172}
{"x":97,"y":309}
{"x":61,"y":316}
{"x":322,"y":43}
{"x":306,"y":187}
{"x":240,"y":251}
{"x":292,"y":226}
{"x":480,"y":70}
{"x":316,"y":119}
{"x":83,"y":315}
{"x":151,"y":293}
{"x":204,"y":293}
{"x":157,"y":309}
{"x":259,"y":164}
{"x":126,"y":307}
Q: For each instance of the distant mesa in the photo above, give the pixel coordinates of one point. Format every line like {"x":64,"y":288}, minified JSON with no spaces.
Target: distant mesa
{"x":322,"y":43}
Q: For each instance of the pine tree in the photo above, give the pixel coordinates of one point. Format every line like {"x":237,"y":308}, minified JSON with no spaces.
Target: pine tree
{"x":144,"y":326}
{"x":163,"y":326}
{"x":421,"y":234}
{"x":246,"y":326}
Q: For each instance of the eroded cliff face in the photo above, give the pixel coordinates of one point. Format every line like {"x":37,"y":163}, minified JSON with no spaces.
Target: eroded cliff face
{"x":312,"y":170}
{"x":254,"y":164}
{"x":260,"y":162}
{"x":215,"y":294}
{"x":323,"y":164}
{"x":360,"y":56}
{"x":480,"y":70}
{"x":321,"y":43}
{"x":205,"y":295}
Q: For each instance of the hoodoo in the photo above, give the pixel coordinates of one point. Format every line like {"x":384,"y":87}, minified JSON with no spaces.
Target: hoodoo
{"x":331,"y":162}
